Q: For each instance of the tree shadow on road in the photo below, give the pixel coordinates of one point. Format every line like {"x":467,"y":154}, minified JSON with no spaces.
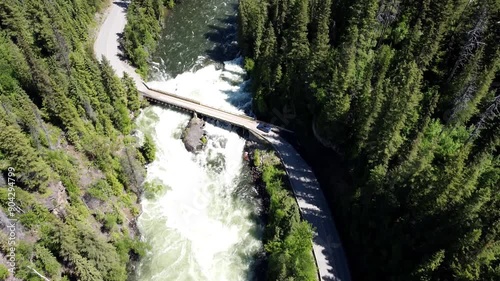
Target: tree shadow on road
{"x":316,"y":211}
{"x":121,"y":4}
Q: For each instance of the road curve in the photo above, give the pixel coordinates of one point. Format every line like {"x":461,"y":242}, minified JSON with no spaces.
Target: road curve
{"x":107,"y":41}
{"x":327,"y":249}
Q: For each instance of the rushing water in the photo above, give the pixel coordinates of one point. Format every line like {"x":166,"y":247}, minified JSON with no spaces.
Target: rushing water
{"x":205,"y":226}
{"x":194,"y":32}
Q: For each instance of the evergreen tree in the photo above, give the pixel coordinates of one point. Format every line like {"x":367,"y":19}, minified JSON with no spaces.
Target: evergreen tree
{"x":406,"y":91}
{"x":60,"y":114}
{"x":148,"y":149}
{"x":133,"y":101}
{"x":321,"y":43}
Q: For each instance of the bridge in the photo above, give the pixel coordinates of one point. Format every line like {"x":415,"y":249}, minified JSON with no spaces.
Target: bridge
{"x":327,"y":249}
{"x":239,"y":120}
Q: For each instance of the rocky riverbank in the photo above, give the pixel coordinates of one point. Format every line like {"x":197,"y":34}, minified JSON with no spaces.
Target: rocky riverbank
{"x":252,"y":145}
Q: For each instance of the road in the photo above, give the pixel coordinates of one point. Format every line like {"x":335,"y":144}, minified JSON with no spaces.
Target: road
{"x":107,"y":44}
{"x":327,"y":248}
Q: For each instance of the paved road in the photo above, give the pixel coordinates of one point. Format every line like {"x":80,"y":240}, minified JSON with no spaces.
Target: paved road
{"x":327,"y":249}
{"x":106,"y":43}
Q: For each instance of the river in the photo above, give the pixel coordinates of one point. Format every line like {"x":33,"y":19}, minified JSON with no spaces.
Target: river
{"x":206,"y":225}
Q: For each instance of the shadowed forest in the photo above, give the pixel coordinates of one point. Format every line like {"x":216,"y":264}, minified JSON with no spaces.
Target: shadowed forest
{"x":406,"y":93}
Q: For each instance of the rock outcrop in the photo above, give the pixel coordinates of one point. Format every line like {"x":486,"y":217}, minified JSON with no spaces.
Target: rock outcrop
{"x":58,"y":199}
{"x":219,"y":65}
{"x":193,"y":137}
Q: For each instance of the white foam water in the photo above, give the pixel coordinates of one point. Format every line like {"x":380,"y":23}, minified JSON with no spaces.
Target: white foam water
{"x":220,"y":88}
{"x":204,"y":226}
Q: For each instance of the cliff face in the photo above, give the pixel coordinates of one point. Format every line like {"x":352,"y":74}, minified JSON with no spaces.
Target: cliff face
{"x":71,"y":174}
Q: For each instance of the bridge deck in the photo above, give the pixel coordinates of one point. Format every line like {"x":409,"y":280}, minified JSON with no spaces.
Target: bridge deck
{"x":194,"y":106}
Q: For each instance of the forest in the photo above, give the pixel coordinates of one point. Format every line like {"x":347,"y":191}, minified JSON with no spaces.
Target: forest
{"x":144,"y":18}
{"x":405,"y":93}
{"x":66,"y":149}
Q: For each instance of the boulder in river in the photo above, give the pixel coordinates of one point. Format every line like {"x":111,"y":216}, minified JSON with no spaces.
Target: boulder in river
{"x":219,"y":65}
{"x":193,"y":137}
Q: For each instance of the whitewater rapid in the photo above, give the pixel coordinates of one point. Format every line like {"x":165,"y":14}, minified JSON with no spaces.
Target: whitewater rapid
{"x":206,"y":225}
{"x":223,"y":88}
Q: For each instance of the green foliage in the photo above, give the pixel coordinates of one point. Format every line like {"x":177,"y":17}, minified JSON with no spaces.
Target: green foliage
{"x":204,"y":140}
{"x":131,"y":171}
{"x":148,"y":149}
{"x":288,"y":239}
{"x":256,"y":158}
{"x":153,"y":189}
{"x":46,"y":261}
{"x":407,"y":92}
{"x":34,"y":173}
{"x":169,"y":4}
{"x":249,"y":65}
{"x":62,"y":118}
{"x":142,"y":31}
{"x":134,"y":102}
{"x":111,"y":220}
{"x":292,"y":259}
{"x":267,"y":163}
{"x":94,"y":258}
{"x":101,"y":190}
{"x":4,"y":272}
{"x":125,"y":246}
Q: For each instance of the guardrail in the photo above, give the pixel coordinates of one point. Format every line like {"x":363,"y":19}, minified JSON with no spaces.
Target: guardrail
{"x":170,"y":94}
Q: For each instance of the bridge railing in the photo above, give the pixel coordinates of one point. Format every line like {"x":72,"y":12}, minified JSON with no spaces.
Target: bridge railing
{"x":196,"y":102}
{"x":170,"y":94}
{"x":211,"y":107}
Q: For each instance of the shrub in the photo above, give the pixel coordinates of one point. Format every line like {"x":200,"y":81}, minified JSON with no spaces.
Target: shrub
{"x":100,"y":190}
{"x":153,"y":190}
{"x":249,"y":64}
{"x":4,"y":272}
{"x":170,"y":4}
{"x":110,"y":221}
{"x":148,"y":149}
{"x":256,"y":158}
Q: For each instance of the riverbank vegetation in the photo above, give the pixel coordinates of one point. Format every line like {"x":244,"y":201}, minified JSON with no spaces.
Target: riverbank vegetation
{"x":406,"y":93}
{"x":74,"y":173}
{"x":288,"y":239}
{"x":148,"y":149}
{"x":144,"y":18}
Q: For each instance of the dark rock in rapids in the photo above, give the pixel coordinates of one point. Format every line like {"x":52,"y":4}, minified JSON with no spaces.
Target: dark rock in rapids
{"x":193,"y":137}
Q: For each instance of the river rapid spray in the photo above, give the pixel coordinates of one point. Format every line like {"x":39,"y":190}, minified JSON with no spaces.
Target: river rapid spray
{"x":206,"y":225}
